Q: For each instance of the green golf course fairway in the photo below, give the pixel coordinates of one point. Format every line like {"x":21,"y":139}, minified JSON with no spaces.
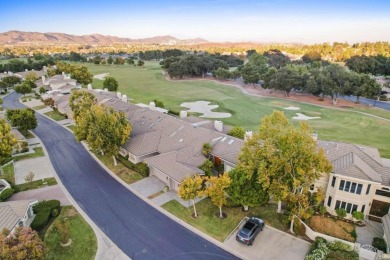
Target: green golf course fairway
{"x":148,"y":83}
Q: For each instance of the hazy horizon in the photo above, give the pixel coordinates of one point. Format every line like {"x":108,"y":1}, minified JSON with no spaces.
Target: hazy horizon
{"x":214,"y":20}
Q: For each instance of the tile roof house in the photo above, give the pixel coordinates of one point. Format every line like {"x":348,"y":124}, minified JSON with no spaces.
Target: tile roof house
{"x":16,"y":213}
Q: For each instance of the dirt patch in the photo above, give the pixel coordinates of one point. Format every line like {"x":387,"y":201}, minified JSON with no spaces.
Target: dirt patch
{"x":70,"y":213}
{"x":333,"y":227}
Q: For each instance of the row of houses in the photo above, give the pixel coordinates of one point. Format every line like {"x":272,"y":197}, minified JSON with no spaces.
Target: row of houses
{"x":172,"y":148}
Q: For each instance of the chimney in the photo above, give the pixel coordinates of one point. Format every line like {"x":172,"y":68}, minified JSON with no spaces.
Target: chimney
{"x":105,"y":90}
{"x":218,"y":125}
{"x":248,"y":135}
{"x":43,"y":80}
{"x":183,"y":114}
{"x":44,"y":68}
{"x":119,"y":95}
{"x":124,"y":98}
{"x":26,"y":70}
{"x":89,"y":86}
{"x":63,"y":75}
{"x":152,"y":105}
{"x":315,"y":136}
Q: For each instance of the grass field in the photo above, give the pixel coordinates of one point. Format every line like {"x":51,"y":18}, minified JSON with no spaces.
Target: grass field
{"x":55,"y":115}
{"x":84,"y":244}
{"x":148,"y":83}
{"x":38,"y":152}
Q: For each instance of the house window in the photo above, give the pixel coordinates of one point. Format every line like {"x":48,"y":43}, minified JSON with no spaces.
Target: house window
{"x":343,"y":204}
{"x":341,"y":187}
{"x":311,"y":187}
{"x":337,"y":204}
{"x":368,"y":189}
{"x":329,"y":201}
{"x":349,"y":206}
{"x":354,"y":208}
{"x":359,"y":189}
{"x":353,"y":187}
{"x":382,"y":193}
{"x":333,"y":181}
{"x":347,"y":186}
{"x":363,"y":208}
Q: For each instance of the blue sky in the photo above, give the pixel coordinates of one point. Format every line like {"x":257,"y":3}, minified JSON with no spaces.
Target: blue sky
{"x":308,"y":21}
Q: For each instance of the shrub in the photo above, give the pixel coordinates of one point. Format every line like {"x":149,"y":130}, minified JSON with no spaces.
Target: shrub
{"x":358,"y":215}
{"x":379,"y":243}
{"x":141,"y":168}
{"x":63,"y":228}
{"x":158,"y":103}
{"x":41,"y":219}
{"x":206,"y":149}
{"x":322,"y":209}
{"x":237,"y":131}
{"x":207,"y":167}
{"x":338,"y":245}
{"x":54,"y":213}
{"x":341,"y":213}
{"x":6,"y":194}
{"x":299,"y":228}
{"x":172,"y":112}
{"x":47,"y":205}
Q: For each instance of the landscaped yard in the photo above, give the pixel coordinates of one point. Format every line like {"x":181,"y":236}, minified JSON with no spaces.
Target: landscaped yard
{"x":38,"y":152}
{"x":210,"y":224}
{"x":127,"y":175}
{"x":8,"y":173}
{"x":148,"y":83}
{"x":333,"y":227}
{"x":36,"y":184}
{"x":27,"y":134}
{"x":84,"y":244}
{"x":55,"y":115}
{"x":39,"y":107}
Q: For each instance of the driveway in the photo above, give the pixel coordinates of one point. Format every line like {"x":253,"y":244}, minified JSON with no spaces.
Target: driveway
{"x":148,"y":186}
{"x":41,"y":167}
{"x":271,"y":244}
{"x":138,"y":229}
{"x":47,"y":193}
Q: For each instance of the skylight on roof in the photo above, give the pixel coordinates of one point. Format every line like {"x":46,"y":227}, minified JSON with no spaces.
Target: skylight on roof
{"x":231,"y":141}
{"x":181,"y":140}
{"x":223,"y":139}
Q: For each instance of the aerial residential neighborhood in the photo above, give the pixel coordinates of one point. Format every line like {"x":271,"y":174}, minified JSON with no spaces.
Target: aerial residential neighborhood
{"x":232,"y":130}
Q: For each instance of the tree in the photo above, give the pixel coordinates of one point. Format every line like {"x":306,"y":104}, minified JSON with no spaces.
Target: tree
{"x":206,"y":149}
{"x":23,"y":244}
{"x":288,"y":161}
{"x":7,"y":141}
{"x":276,"y":58}
{"x":216,"y":189}
{"x":11,"y":80}
{"x":81,"y":74}
{"x":23,"y":119}
{"x":366,"y":86}
{"x":237,"y":131}
{"x":23,"y":88}
{"x":62,"y":226}
{"x":288,"y":78}
{"x":42,"y":90}
{"x":207,"y":167}
{"x":110,"y":83}
{"x":110,"y":60}
{"x":190,"y":189}
{"x":245,"y":189}
{"x":249,"y":53}
{"x":222,"y":74}
{"x":130,"y":61}
{"x":103,"y":129}
{"x":140,"y":63}
{"x":250,"y":74}
{"x":175,"y":70}
{"x":31,"y":76}
{"x":119,"y":61}
{"x":29,"y":177}
{"x":81,"y":101}
{"x":311,"y":57}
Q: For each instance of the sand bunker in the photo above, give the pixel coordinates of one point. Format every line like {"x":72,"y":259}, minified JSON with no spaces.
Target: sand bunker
{"x":100,"y":76}
{"x":204,"y":108}
{"x":304,"y":117}
{"x":292,"y":108}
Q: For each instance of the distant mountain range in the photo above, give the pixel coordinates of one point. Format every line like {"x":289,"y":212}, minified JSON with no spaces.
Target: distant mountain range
{"x":18,"y":37}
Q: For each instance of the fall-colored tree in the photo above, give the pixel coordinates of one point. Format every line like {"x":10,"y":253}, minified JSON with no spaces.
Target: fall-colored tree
{"x":287,"y":159}
{"x":190,"y":189}
{"x":7,"y":141}
{"x":216,"y":190}
{"x":23,"y":243}
{"x":81,"y":101}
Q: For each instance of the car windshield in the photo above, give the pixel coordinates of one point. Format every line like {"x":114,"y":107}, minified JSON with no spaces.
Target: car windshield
{"x":246,"y":229}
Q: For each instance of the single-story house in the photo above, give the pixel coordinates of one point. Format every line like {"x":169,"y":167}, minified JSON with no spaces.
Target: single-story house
{"x":16,"y":213}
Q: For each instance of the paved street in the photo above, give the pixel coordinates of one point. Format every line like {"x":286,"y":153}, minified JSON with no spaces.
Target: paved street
{"x":141,"y":231}
{"x":271,"y":244}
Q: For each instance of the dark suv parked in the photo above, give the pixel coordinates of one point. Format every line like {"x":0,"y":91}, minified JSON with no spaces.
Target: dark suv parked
{"x":249,"y":231}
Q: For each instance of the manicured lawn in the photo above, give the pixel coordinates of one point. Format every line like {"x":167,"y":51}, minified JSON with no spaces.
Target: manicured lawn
{"x":84,"y":244}
{"x":212,"y":225}
{"x":27,"y":134}
{"x":148,"y":83}
{"x":55,"y":115}
{"x":9,"y":173}
{"x":26,"y":98}
{"x":38,"y":152}
{"x":127,"y":175}
{"x":333,"y":227}
{"x":39,"y":107}
{"x":36,"y":184}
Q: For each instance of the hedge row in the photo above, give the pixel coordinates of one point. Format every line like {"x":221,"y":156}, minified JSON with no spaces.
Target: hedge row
{"x":44,"y":211}
{"x":6,"y":194}
{"x":141,"y":168}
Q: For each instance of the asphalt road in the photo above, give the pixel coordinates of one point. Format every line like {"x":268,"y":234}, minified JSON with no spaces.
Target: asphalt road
{"x":138,"y":229}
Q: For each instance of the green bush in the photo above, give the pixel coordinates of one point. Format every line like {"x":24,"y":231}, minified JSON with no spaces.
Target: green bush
{"x":338,"y":245}
{"x":6,"y":194}
{"x":175,"y":113}
{"x":41,"y":219}
{"x":379,"y":243}
{"x":322,"y":209}
{"x":54,"y":213}
{"x":341,"y":213}
{"x":47,"y":205}
{"x":299,"y":228}
{"x":207,"y":167}
{"x":141,"y":168}
{"x":358,"y":215}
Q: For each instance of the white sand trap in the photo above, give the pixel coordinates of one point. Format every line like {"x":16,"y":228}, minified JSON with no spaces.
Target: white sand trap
{"x":304,"y":117}
{"x":204,"y":108}
{"x":100,"y":76}
{"x":292,"y":108}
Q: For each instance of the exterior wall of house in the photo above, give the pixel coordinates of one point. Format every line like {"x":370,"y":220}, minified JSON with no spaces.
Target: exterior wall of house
{"x":137,"y":159}
{"x":171,"y":183}
{"x":322,"y":182}
{"x":228,"y":166}
{"x":133,"y":158}
{"x":362,"y":201}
